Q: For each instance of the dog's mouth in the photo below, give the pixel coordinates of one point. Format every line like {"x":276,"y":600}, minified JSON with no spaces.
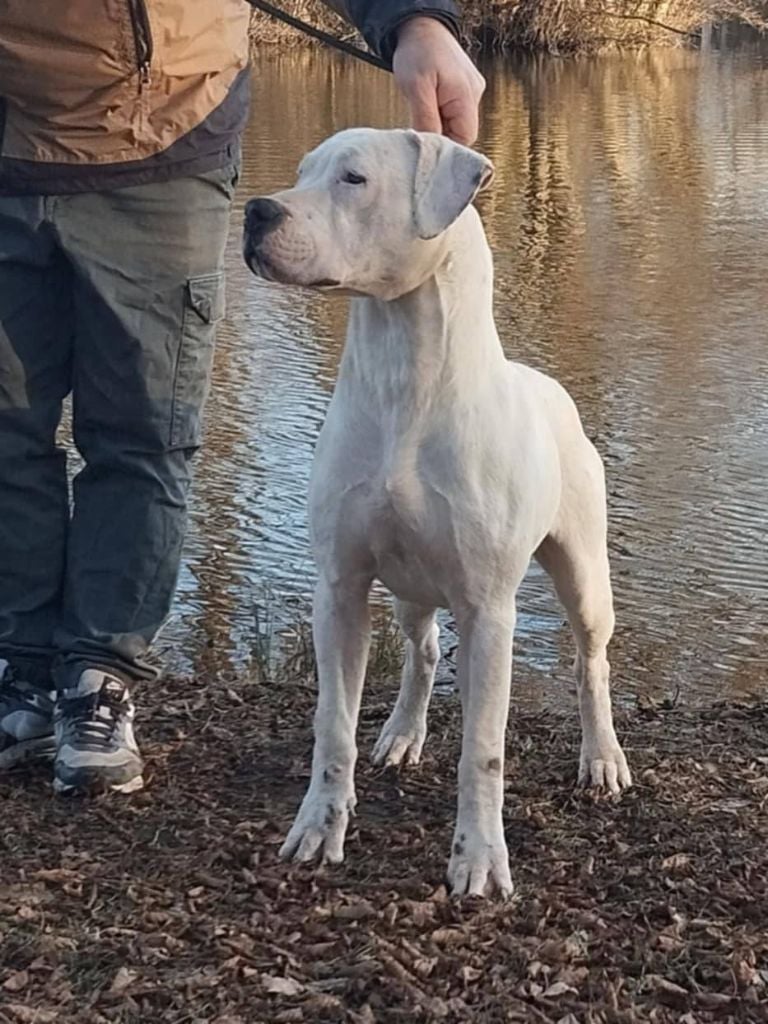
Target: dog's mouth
{"x":259,"y":264}
{"x":324,"y":283}
{"x":263,"y":267}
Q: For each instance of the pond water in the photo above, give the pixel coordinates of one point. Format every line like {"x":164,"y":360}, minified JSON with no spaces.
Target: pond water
{"x":629,"y":223}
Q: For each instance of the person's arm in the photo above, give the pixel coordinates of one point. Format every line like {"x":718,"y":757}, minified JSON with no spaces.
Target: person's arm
{"x":421,"y":41}
{"x":379,"y":21}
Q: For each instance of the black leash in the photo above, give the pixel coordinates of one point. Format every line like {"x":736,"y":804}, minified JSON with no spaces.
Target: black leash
{"x":317,"y":33}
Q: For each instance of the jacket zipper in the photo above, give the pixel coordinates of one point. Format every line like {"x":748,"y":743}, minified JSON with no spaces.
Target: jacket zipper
{"x":142,"y":33}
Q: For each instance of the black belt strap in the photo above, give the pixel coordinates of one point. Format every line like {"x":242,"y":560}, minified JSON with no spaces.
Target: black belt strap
{"x":317,"y":33}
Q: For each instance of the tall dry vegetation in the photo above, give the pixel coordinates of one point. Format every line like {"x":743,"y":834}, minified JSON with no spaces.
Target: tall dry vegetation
{"x":554,"y":25}
{"x":571,"y":25}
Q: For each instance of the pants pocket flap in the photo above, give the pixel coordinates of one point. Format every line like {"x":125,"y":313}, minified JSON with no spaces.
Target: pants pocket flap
{"x":206,"y":296}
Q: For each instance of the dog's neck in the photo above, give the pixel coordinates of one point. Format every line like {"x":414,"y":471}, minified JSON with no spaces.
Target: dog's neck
{"x":425,"y":347}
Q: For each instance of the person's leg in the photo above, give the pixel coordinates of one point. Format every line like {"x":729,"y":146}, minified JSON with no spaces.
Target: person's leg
{"x":35,"y":356}
{"x":148,"y":293}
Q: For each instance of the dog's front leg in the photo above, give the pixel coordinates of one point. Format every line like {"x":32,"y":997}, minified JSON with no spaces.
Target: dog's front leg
{"x":342,"y":632}
{"x":479,"y":863}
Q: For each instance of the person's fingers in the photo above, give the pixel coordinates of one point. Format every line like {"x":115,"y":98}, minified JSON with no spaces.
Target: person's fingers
{"x":459,"y":102}
{"x":421,"y":95}
{"x":459,"y":118}
{"x":439,"y":81}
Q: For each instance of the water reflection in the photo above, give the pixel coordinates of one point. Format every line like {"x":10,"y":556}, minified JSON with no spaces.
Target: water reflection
{"x":629,"y":221}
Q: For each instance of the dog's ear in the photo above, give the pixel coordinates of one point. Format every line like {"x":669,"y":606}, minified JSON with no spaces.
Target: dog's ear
{"x":448,"y":177}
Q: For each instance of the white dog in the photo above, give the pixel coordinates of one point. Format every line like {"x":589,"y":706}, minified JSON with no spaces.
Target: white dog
{"x":440,"y":470}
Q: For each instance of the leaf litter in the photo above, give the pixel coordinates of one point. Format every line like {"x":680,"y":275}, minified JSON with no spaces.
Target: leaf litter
{"x":171,"y":906}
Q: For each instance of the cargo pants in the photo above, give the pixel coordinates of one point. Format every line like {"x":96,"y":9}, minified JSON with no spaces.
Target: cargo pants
{"x":113,"y":297}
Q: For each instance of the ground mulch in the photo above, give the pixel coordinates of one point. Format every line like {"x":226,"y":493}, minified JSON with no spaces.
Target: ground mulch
{"x":171,"y":905}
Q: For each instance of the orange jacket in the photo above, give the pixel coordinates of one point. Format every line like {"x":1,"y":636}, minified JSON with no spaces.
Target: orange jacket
{"x":101,"y":93}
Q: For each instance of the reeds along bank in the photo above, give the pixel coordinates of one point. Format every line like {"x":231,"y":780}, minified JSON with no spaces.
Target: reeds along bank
{"x":560,"y":26}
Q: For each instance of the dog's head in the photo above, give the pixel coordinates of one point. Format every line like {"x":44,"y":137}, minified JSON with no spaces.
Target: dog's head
{"x":368,"y":213}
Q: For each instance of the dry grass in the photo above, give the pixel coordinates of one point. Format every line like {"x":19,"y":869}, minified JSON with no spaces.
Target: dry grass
{"x":288,"y":650}
{"x":555,"y":25}
{"x":579,"y":25}
{"x":268,"y":31}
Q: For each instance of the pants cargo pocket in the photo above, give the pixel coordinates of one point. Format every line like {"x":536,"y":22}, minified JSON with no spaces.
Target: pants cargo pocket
{"x":203,"y":308}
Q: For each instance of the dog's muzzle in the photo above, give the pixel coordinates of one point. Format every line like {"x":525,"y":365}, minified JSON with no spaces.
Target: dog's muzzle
{"x":262,"y":217}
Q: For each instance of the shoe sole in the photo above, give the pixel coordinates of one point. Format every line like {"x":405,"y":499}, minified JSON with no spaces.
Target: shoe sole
{"x":41,"y":749}
{"x":68,"y":789}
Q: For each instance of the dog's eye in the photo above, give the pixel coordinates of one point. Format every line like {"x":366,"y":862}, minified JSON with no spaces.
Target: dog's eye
{"x":351,"y":178}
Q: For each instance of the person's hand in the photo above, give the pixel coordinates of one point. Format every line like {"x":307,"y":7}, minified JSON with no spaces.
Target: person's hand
{"x":441,"y":84}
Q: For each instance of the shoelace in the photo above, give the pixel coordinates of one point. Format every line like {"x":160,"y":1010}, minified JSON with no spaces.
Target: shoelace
{"x":83,"y":714}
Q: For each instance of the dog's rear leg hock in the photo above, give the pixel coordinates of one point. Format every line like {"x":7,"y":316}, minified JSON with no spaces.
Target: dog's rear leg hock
{"x":581,"y":576}
{"x":403,"y":735}
{"x":342,"y":632}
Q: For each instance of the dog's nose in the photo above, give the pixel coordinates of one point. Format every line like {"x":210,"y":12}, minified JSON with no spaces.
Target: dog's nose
{"x":261,"y":217}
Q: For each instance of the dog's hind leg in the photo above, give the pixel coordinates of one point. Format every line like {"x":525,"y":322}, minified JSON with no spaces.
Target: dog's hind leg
{"x":341,"y":626}
{"x":403,"y":735}
{"x":575,"y":556}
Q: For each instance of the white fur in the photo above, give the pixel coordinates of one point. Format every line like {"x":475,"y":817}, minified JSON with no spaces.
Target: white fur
{"x":440,"y":470}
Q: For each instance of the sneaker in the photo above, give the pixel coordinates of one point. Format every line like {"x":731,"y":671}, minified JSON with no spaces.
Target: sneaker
{"x":95,"y":746}
{"x":26,"y":720}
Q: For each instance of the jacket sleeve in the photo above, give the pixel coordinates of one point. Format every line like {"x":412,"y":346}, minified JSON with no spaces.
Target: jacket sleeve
{"x":378,"y":22}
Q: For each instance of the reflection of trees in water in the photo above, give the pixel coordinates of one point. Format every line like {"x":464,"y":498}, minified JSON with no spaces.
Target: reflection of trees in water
{"x":217,"y":540}
{"x":301,"y":97}
{"x":581,"y":147}
{"x":616,"y":270}
{"x":605,"y":177}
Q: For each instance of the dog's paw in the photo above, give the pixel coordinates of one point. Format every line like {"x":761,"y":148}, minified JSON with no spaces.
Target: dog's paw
{"x":604,"y":767}
{"x":401,"y":740}
{"x":479,"y":866}
{"x":320,"y":827}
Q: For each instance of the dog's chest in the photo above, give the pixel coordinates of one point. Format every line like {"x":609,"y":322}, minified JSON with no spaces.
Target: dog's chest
{"x":410,"y":540}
